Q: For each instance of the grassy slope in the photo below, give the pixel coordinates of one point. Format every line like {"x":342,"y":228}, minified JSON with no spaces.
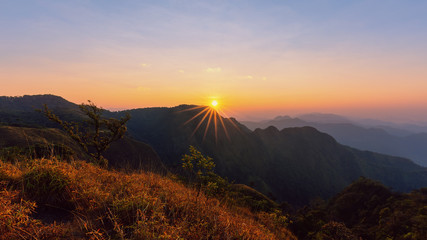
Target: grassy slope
{"x":48,"y":199}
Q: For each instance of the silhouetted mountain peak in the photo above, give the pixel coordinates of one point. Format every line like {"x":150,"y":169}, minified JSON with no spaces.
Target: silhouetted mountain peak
{"x":309,"y":133}
{"x":269,"y":130}
{"x":184,"y":107}
{"x":30,"y":102}
{"x":278,"y":118}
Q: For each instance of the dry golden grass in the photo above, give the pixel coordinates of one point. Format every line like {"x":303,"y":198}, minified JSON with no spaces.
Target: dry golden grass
{"x":115,"y":205}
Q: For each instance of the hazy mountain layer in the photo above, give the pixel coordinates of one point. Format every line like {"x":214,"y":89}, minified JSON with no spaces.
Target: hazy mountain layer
{"x":412,"y":146}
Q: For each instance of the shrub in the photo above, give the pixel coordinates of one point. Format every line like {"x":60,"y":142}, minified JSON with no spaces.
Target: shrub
{"x":335,"y":230}
{"x":126,"y":208}
{"x":45,"y":183}
{"x":200,"y":173}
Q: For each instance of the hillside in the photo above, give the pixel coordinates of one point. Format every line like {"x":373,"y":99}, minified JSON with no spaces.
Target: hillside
{"x":26,"y":142}
{"x":301,"y":161}
{"x":309,"y":158}
{"x":48,"y":199}
{"x":22,"y":111}
{"x":294,"y":165}
{"x":381,"y":139}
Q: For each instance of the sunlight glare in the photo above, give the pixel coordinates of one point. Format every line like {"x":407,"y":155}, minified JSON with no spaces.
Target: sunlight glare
{"x":214,"y":103}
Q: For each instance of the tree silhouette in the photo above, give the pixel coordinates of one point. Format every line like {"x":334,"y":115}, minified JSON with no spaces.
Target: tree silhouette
{"x":94,"y":135}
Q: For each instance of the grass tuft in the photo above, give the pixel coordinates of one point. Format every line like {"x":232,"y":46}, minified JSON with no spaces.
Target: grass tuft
{"x":45,"y":183}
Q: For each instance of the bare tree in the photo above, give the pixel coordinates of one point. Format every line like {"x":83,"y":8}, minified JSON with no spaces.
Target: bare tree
{"x":96,"y":134}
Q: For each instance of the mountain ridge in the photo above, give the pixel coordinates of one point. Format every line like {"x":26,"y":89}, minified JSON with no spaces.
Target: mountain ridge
{"x":374,"y":139}
{"x":294,"y":165}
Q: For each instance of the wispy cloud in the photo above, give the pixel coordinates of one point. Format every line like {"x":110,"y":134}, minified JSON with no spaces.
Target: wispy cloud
{"x":144,"y":65}
{"x":214,"y":70}
{"x":249,"y":77}
{"x":143,"y":89}
{"x":181,"y":71}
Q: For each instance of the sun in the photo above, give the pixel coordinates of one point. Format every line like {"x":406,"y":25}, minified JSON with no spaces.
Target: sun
{"x":214,"y":103}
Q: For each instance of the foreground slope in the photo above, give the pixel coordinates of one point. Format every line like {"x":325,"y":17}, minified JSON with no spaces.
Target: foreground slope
{"x":48,"y":199}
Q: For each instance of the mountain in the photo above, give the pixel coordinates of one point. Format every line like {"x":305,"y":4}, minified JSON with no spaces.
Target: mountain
{"x":28,"y":103}
{"x":128,"y":153}
{"x":294,"y":165}
{"x":403,"y":129}
{"x":402,"y":144}
{"x":323,"y":118}
{"x":22,"y":111}
{"x":279,"y":122}
{"x":399,"y":129}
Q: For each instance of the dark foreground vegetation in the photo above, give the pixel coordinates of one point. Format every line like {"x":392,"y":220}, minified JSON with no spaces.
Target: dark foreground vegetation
{"x":366,"y":209}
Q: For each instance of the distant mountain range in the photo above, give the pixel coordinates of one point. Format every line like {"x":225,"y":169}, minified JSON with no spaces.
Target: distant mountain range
{"x":387,"y":139}
{"x":400,"y":129}
{"x":293,"y":164}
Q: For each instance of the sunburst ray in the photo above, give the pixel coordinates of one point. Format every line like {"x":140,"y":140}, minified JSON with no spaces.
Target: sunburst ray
{"x":212,"y":116}
{"x":190,"y":109}
{"x":215,"y":125}
{"x":201,"y":121}
{"x":209,"y":122}
{"x":201,"y":112}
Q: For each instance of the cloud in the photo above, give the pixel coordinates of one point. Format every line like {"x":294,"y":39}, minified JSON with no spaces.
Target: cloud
{"x":214,"y":70}
{"x":246,"y":77}
{"x":143,"y":89}
{"x":144,"y":65}
{"x":181,"y":71}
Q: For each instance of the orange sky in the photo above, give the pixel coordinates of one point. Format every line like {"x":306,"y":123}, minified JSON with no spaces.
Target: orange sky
{"x":359,"y":58}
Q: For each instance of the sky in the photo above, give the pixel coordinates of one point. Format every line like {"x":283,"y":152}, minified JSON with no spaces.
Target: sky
{"x":258,"y":59}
